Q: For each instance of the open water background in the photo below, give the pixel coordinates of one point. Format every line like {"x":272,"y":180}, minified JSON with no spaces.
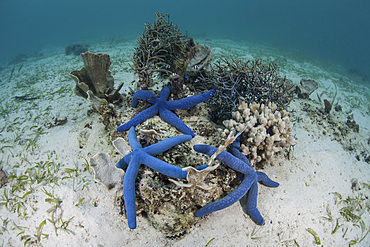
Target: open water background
{"x":332,"y":31}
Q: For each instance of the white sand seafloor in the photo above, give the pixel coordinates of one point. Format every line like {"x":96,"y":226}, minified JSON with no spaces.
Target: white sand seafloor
{"x":52,"y":185}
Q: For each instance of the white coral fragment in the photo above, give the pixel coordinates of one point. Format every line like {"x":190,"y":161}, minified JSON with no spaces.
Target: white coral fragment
{"x":107,"y":173}
{"x":122,"y":146}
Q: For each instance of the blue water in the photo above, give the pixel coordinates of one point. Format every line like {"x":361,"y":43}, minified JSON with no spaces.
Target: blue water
{"x":332,"y":31}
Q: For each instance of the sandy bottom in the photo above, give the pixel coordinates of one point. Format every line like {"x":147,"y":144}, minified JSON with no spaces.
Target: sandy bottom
{"x":51,"y":198}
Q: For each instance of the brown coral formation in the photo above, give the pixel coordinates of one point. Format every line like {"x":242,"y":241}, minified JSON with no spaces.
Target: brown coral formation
{"x":267,"y":131}
{"x":96,"y":77}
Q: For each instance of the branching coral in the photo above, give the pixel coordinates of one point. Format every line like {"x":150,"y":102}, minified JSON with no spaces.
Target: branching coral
{"x":267,"y":131}
{"x":254,"y":80}
{"x":164,"y":50}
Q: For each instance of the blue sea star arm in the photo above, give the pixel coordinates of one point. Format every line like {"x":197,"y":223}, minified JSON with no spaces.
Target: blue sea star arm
{"x":189,"y":101}
{"x":132,"y":139}
{"x":129,"y":191}
{"x":249,"y":193}
{"x":166,"y":144}
{"x":174,"y":120}
{"x":165,"y":93}
{"x":225,"y":157}
{"x":261,"y":177}
{"x":134,"y":144}
{"x":199,"y":168}
{"x":163,"y":167}
{"x":235,"y":150}
{"x":206,"y":149}
{"x":143,"y":95}
{"x":265,"y":180}
{"x":122,"y":164}
{"x":234,"y":163}
{"x":228,"y":200}
{"x":139,"y":118}
{"x":251,"y":205}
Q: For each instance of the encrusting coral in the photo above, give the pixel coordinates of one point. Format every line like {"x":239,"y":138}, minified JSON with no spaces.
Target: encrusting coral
{"x":267,"y":131}
{"x":95,"y":79}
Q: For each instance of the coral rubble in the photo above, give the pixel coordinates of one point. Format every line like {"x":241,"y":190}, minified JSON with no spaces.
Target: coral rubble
{"x":267,"y":130}
{"x":170,"y":208}
{"x":139,"y":155}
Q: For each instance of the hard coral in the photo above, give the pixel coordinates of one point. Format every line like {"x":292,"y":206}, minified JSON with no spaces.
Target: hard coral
{"x":164,"y":50}
{"x":154,"y":53}
{"x":267,"y":131}
{"x":254,"y":80}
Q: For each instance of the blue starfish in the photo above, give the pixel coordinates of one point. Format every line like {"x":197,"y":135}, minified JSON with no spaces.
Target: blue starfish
{"x":248,"y":187}
{"x":164,"y":108}
{"x":139,"y":155}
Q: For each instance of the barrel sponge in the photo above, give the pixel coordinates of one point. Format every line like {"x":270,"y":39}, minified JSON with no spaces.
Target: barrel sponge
{"x":267,"y":131}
